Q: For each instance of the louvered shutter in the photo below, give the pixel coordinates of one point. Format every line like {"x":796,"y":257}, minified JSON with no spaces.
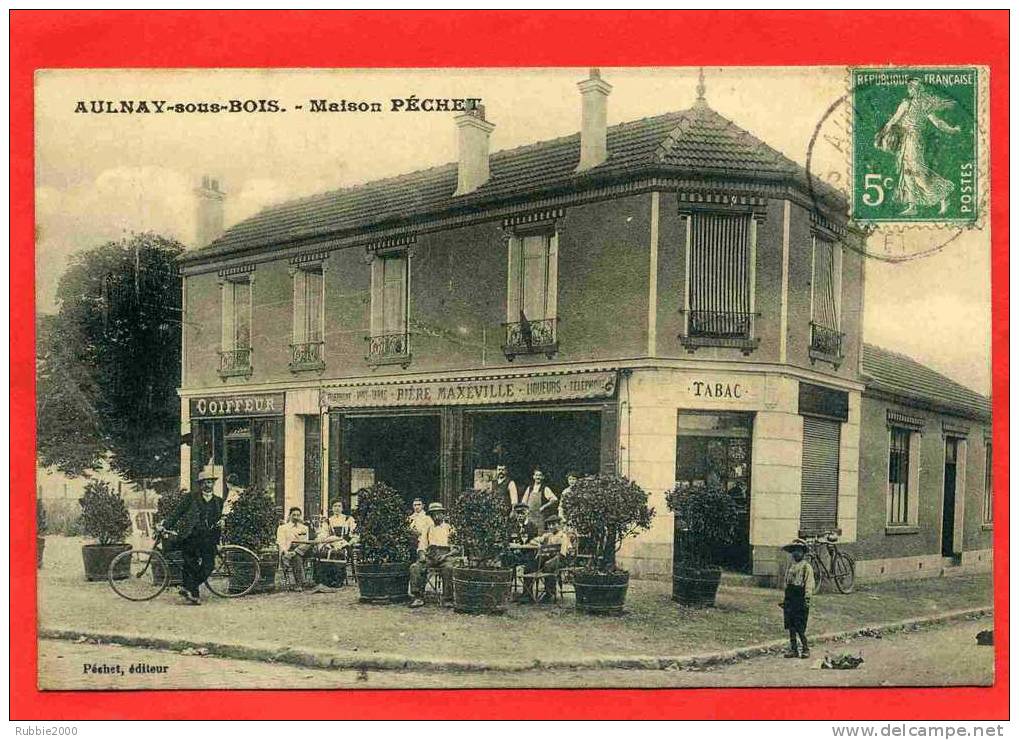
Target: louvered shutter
{"x":376,"y":298}
{"x":552,"y":297}
{"x":513,"y":281}
{"x":226,"y":341}
{"x":820,"y":486}
{"x":299,"y":306}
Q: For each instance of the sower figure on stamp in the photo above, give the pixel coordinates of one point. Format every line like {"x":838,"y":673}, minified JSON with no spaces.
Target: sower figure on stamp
{"x":434,"y":553}
{"x":198,"y":522}
{"x":799,"y":585}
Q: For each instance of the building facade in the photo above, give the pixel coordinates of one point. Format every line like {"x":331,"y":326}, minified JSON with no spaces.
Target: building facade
{"x":669,"y":299}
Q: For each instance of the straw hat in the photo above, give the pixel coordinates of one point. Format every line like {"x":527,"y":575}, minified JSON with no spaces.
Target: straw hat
{"x":435,"y":506}
{"x":208,"y":473}
{"x":795,"y":544}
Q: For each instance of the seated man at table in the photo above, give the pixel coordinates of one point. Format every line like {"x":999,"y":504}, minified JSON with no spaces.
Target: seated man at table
{"x":292,"y":539}
{"x":521,"y":530}
{"x":434,"y":553}
{"x":336,"y":533}
{"x":554,"y":535}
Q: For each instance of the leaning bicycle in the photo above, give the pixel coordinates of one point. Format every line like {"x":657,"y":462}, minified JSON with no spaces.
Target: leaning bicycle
{"x":830,"y":563}
{"x":141,"y":575}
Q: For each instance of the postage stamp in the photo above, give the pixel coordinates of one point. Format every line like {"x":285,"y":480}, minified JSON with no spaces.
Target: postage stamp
{"x":915,"y":140}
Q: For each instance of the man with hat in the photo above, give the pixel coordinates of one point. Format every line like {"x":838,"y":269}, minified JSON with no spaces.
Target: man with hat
{"x":554,"y":535}
{"x":434,"y":553}
{"x":198,"y":521}
{"x":799,"y":586}
{"x":521,"y":531}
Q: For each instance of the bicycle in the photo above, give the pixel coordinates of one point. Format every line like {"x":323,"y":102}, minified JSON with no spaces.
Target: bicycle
{"x":141,"y":575}
{"x":840,"y":569}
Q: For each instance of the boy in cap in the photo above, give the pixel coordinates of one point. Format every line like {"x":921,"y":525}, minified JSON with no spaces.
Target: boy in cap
{"x":434,"y":553}
{"x":799,"y":586}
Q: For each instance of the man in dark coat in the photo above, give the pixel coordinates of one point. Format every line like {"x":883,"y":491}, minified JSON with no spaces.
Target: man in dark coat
{"x":198,"y":521}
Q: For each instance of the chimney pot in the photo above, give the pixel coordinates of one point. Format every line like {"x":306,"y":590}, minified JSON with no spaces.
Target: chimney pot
{"x":594,"y":93}
{"x":473,"y":133}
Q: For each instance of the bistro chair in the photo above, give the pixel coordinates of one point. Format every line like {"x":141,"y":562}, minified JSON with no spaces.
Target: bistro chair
{"x":536,"y":580}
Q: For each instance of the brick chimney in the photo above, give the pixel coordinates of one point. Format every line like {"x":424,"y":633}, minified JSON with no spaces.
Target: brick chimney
{"x":472,"y":142}
{"x":209,"y":206}
{"x":594,"y":93}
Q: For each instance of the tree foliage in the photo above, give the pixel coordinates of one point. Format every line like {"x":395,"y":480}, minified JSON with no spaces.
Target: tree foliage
{"x":109,"y":362}
{"x":606,"y":509}
{"x":104,"y":515}
{"x":480,"y":526}
{"x":706,"y":518}
{"x":252,"y":522}
{"x":382,"y":526}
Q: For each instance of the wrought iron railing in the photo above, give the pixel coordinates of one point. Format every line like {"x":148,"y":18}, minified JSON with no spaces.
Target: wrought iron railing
{"x":388,"y":348}
{"x":235,"y":361}
{"x":307,"y":355}
{"x":531,"y":337}
{"x":720,"y":324}
{"x":825,"y":341}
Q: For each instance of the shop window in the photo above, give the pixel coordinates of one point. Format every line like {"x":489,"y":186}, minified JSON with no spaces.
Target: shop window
{"x":988,"y":488}
{"x":819,"y":492}
{"x":306,"y":350}
{"x":900,"y":491}
{"x":826,"y":300}
{"x":720,"y":277}
{"x":531,"y":295}
{"x":235,"y":343}
{"x":389,"y":341}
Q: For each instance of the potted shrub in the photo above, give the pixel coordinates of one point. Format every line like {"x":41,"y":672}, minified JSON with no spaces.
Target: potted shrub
{"x":604,"y":510}
{"x":40,"y":531}
{"x":387,"y":545}
{"x":166,"y":504}
{"x":479,"y":520}
{"x":104,"y":518}
{"x":252,"y":523}
{"x":706,"y":519}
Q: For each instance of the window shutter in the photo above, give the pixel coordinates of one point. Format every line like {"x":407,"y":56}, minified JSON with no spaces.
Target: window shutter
{"x":376,"y":297}
{"x":227,"y":312}
{"x":552,"y":288}
{"x":299,"y":306}
{"x":314,"y":291}
{"x":513,"y":281}
{"x":820,"y":485}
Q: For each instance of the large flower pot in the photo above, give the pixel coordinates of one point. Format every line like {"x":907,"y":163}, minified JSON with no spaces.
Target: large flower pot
{"x":97,"y":559}
{"x":695,"y":586}
{"x":481,"y":590}
{"x":40,"y":545}
{"x":174,"y":564}
{"x":601,"y":593}
{"x":331,"y":573}
{"x":383,"y":583}
{"x":268,"y":561}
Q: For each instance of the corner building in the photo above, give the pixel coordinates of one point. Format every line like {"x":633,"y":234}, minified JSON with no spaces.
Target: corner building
{"x":666,"y":298}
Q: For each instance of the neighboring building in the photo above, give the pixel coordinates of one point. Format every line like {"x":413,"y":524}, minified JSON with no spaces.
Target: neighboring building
{"x":668,"y":298}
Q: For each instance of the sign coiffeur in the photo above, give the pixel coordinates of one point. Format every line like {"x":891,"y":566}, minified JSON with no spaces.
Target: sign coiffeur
{"x":480,"y":391}
{"x":253,"y":404}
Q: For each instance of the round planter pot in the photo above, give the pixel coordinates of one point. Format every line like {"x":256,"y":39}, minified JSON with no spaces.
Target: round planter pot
{"x":240,"y":572}
{"x":40,"y":545}
{"x":601,"y":593}
{"x":481,"y":590}
{"x":97,"y":559}
{"x":383,"y":583}
{"x":693,"y":586}
{"x":174,"y":563}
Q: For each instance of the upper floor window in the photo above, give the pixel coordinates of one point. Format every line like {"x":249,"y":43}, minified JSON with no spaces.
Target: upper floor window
{"x":531,"y":294}
{"x":826,"y":299}
{"x":389,"y":340}
{"x":308,"y":339}
{"x":235,"y":342}
{"x":720,"y":279}
{"x":988,"y":489}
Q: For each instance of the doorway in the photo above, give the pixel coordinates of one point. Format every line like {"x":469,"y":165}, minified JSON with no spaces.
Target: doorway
{"x":401,"y":451}
{"x":948,"y":499}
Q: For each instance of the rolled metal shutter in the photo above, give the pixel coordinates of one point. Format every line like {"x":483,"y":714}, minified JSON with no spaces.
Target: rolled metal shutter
{"x":820,"y":488}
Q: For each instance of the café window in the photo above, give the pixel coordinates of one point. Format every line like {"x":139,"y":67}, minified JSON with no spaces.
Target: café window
{"x":720,"y":276}
{"x":308,"y":339}
{"x":532,"y":294}
{"x":235,"y":340}
{"x":390,"y":283}
{"x":988,"y":488}
{"x":899,"y":464}
{"x":826,"y":299}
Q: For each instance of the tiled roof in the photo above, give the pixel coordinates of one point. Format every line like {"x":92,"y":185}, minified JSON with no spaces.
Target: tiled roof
{"x":905,"y":377}
{"x":697,"y":142}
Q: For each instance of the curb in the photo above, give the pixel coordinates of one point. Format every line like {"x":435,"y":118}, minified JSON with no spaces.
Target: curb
{"x":351,"y":660}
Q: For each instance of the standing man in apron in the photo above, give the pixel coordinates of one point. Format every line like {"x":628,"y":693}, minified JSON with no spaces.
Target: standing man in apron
{"x":540,"y":500}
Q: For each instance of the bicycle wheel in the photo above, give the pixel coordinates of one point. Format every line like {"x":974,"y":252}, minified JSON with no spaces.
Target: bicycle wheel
{"x":139,"y":575}
{"x":236,"y":572}
{"x":843,"y":572}
{"x":815,"y":564}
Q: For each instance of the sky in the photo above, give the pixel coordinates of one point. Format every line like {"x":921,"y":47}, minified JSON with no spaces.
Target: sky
{"x":101,"y":177}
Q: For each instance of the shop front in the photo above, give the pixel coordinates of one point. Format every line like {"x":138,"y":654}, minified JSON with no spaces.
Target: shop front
{"x":434,"y":438}
{"x":242,"y":437}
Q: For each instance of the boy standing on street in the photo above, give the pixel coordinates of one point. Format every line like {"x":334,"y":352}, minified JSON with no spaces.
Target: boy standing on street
{"x":799,"y":585}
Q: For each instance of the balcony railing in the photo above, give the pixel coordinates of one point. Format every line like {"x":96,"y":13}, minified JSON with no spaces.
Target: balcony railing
{"x":235,"y":362}
{"x":389,"y":349}
{"x":531,"y":337}
{"x":307,"y":356}
{"x":720,"y":329}
{"x":825,"y":343}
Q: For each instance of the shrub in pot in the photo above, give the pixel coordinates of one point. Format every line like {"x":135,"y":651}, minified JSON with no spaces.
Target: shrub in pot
{"x":252,"y":523}
{"x":387,"y":545}
{"x":166,"y":504}
{"x":40,"y":532}
{"x":479,"y":520}
{"x":604,"y":510}
{"x":706,"y":520}
{"x":104,"y":518}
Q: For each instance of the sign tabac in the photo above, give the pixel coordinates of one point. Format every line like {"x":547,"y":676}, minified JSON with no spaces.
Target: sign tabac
{"x":481,"y":391}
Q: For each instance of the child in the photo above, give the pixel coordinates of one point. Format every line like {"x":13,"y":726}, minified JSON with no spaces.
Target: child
{"x":799,"y":583}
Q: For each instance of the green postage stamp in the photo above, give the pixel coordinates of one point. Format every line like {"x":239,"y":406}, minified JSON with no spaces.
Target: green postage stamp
{"x":916,"y":134}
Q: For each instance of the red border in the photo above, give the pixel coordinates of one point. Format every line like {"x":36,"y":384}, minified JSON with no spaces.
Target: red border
{"x":48,"y":39}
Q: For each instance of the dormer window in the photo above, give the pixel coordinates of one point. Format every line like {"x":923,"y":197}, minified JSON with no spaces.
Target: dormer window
{"x":826,"y":300}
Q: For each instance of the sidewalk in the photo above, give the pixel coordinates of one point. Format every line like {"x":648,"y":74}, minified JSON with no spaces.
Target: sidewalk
{"x":329,"y":627}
